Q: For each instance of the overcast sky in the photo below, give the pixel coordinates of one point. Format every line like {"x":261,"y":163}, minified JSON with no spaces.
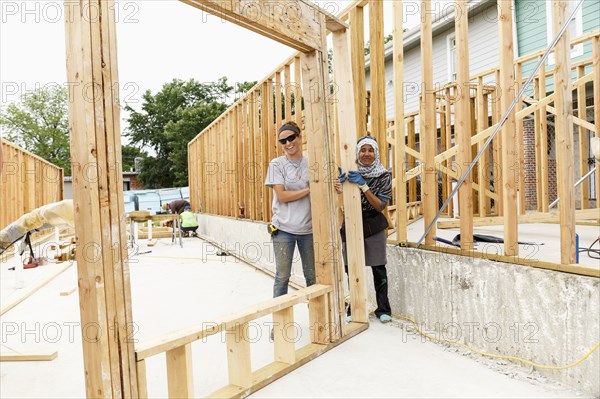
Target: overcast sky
{"x":158,"y":40}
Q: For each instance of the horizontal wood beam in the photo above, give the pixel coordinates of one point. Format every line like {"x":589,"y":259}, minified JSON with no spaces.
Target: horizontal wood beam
{"x":514,"y":260}
{"x":198,"y":331}
{"x":12,"y":301}
{"x":580,"y":215}
{"x":291,"y":22}
{"x":27,"y":356}
{"x":275,"y":370}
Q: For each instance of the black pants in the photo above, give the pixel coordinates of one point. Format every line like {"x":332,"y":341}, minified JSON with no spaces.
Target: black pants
{"x":381,"y":290}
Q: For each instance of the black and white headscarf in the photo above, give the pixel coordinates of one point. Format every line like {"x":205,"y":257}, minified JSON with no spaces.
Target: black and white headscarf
{"x":376,"y":169}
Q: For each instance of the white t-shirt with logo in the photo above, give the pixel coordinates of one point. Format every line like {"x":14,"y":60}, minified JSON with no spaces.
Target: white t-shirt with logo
{"x":292,"y":217}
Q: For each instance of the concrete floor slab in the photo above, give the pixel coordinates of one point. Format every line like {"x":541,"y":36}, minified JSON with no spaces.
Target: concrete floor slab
{"x":175,"y":287}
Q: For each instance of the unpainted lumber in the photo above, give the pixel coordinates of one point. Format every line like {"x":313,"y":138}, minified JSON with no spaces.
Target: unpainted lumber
{"x":351,"y":196}
{"x":564,"y":137}
{"x":401,"y":219}
{"x":428,"y":130}
{"x":28,"y":356}
{"x":462,"y":126}
{"x":510,"y":160}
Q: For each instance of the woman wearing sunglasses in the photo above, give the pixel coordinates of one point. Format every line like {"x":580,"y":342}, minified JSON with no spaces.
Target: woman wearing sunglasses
{"x":375,"y":182}
{"x":291,"y":224}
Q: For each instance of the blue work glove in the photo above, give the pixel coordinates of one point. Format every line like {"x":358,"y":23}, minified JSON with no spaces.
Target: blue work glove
{"x":342,"y":177}
{"x":356,"y":178}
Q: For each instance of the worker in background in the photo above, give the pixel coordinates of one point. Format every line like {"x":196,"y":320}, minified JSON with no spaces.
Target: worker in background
{"x":176,"y":206}
{"x":188,"y":222}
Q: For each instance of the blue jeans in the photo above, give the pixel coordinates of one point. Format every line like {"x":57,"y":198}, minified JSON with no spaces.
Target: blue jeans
{"x":283,"y":246}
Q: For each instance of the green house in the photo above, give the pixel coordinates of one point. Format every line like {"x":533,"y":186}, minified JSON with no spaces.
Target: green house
{"x":534,"y":30}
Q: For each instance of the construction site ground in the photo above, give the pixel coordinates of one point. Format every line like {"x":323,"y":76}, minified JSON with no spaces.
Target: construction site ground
{"x":174,"y":287}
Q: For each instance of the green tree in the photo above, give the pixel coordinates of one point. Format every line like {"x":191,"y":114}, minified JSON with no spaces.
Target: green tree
{"x":386,"y":39}
{"x":167,"y":121}
{"x":39,"y":123}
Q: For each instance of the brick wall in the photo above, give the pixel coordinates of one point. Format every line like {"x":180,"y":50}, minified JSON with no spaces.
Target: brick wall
{"x":530,"y":165}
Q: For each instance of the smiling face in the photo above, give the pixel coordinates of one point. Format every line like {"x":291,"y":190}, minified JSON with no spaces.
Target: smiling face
{"x":366,"y":155}
{"x":291,"y":148}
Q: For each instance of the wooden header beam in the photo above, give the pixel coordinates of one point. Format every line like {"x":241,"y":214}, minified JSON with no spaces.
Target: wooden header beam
{"x":295,"y":23}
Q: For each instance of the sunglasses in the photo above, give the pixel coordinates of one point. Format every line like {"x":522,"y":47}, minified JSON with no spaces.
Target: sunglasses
{"x":288,"y":139}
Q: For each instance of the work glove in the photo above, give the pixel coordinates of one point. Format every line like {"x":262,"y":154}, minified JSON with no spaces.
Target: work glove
{"x":342,"y":177}
{"x":356,"y":178}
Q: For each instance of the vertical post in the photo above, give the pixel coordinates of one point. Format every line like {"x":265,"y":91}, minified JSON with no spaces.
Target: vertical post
{"x":285,"y":350}
{"x":564,"y":137}
{"x":94,"y":117}
{"x":287,"y":91}
{"x":543,"y":137}
{"x":584,"y":148}
{"x":448,"y":162}
{"x":250,"y":167}
{"x":400,"y":134}
{"x":352,"y":205}
{"x":411,"y":142}
{"x":238,"y":357}
{"x":266,"y":137}
{"x":538,"y":155}
{"x":498,"y":162}
{"x":180,"y":380}
{"x":427,"y":135}
{"x":320,"y":154}
{"x":462,"y":125}
{"x":596,"y":88}
{"x":237,"y":165}
{"x":357,"y":40}
{"x":520,"y":142}
{"x":510,"y":164}
{"x":482,"y":165}
{"x":297,"y":92}
{"x":378,"y":117}
{"x":142,"y":383}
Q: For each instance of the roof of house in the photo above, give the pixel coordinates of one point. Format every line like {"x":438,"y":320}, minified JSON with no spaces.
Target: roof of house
{"x":440,"y":22}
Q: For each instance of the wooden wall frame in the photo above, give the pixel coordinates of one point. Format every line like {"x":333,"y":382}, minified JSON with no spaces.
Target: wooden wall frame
{"x":94,"y":116}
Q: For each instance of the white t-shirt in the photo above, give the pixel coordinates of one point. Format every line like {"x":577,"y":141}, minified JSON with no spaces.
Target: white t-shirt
{"x":292,"y":217}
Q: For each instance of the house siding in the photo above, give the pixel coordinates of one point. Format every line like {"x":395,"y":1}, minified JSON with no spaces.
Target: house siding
{"x":531,"y":17}
{"x":483,"y":54}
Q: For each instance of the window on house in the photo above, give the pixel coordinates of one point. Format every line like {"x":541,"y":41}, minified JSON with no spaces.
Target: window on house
{"x":575,"y":27}
{"x":451,"y":57}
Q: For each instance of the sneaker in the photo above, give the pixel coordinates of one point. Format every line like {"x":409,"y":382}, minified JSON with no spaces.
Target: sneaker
{"x":348,"y":319}
{"x":385,"y":318}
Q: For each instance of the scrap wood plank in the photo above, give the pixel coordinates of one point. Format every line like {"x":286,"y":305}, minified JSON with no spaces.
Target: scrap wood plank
{"x":27,"y":356}
{"x":68,"y":292}
{"x":28,"y":291}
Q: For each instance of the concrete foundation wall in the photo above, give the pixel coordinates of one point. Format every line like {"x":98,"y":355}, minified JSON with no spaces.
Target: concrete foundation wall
{"x":547,"y":317}
{"x":248,"y":240}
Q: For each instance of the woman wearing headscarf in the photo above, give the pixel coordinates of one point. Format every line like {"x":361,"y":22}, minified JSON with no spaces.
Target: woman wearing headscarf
{"x":375,"y":183}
